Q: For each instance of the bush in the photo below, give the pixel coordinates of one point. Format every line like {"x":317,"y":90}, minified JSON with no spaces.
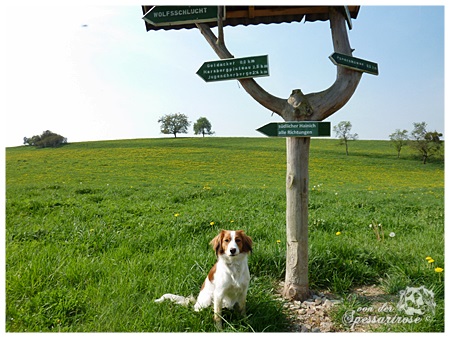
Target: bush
{"x":47,"y":139}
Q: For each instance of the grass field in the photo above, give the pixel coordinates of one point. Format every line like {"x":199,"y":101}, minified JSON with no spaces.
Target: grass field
{"x":96,"y":231}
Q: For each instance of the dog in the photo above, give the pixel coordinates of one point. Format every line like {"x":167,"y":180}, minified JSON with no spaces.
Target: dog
{"x":227,"y":282}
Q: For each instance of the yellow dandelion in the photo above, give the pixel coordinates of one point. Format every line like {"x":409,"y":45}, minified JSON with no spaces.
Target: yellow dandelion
{"x":438,"y":270}
{"x":278,"y":241}
{"x":231,"y":221}
{"x":338,"y":233}
{"x":428,"y":258}
{"x":211,"y":223}
{"x":431,"y":261}
{"x":177,"y":214}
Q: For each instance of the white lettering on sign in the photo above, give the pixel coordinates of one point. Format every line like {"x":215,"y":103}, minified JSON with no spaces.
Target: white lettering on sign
{"x":297,"y":129}
{"x":294,"y":132}
{"x":351,"y":61}
{"x":297,"y":125}
{"x":234,"y":69}
{"x":180,"y":12}
{"x":370,"y":66}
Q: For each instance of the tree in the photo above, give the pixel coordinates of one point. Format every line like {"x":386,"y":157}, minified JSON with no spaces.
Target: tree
{"x":399,"y":138}
{"x":174,"y":124}
{"x":203,"y":126}
{"x":342,"y":131}
{"x":425,"y":142}
{"x":46,"y":139}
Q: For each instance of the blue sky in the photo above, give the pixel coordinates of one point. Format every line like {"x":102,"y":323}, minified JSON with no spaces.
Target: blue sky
{"x":112,"y":80}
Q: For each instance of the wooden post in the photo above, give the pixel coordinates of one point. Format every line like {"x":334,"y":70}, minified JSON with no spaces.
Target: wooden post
{"x":297,"y":177}
{"x":220,"y":40}
{"x":300,"y":107}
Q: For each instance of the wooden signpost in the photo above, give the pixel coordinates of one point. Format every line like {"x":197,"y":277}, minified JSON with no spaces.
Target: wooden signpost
{"x":299,"y":110}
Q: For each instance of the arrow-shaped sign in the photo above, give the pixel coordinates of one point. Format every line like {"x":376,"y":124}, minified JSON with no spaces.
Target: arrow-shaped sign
{"x":174,"y":15}
{"x":234,"y":68}
{"x":296,"y":129}
{"x":354,"y":63}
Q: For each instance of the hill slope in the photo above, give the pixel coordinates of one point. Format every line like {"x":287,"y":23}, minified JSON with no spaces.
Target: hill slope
{"x":96,"y":231}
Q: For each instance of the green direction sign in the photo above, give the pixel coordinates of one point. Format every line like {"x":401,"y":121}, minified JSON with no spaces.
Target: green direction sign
{"x":235,"y":68}
{"x":296,"y":129}
{"x":354,"y":63}
{"x":175,"y":15}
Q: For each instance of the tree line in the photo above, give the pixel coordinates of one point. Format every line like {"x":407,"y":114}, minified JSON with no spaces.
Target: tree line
{"x":170,"y":124}
{"x":426,"y":143}
{"x":179,"y":124}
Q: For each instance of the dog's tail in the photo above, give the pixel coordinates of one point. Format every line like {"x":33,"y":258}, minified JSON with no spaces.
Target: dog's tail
{"x":185,"y":301}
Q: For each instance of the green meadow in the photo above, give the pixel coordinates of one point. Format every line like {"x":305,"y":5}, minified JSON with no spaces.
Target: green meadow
{"x":96,"y":231}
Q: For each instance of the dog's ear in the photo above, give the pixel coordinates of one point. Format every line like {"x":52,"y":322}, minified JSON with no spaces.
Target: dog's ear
{"x":247,"y":242}
{"x":217,"y":242}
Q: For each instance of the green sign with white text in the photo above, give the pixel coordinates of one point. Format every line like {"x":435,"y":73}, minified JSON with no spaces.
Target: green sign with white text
{"x":234,"y":68}
{"x":174,"y":15}
{"x":296,"y":129}
{"x":354,"y":63}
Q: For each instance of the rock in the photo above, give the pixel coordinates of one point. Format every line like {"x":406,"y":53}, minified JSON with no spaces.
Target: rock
{"x":301,"y":311}
{"x":318,"y":301}
{"x":310,"y":311}
{"x":316,"y":329}
{"x":327,"y":303}
{"x":296,"y":328}
{"x":303,"y":328}
{"x":326,"y":326}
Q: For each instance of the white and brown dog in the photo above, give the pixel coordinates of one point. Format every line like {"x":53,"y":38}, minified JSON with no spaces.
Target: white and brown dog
{"x":227,"y":282}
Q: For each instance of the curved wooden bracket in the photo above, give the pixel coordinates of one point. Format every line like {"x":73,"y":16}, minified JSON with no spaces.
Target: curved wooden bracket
{"x":301,"y":107}
{"x":334,"y":98}
{"x":269,"y":101}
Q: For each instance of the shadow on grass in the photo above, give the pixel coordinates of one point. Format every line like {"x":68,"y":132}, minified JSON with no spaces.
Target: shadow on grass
{"x":262,"y":316}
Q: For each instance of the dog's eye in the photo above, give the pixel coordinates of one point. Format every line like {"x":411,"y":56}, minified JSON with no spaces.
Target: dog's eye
{"x":227,"y":240}
{"x":237,"y":240}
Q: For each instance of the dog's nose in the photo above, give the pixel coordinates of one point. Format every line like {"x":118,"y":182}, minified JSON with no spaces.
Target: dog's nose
{"x":233,"y":251}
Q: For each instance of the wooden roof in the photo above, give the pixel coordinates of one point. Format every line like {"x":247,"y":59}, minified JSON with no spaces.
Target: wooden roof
{"x":254,"y":15}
